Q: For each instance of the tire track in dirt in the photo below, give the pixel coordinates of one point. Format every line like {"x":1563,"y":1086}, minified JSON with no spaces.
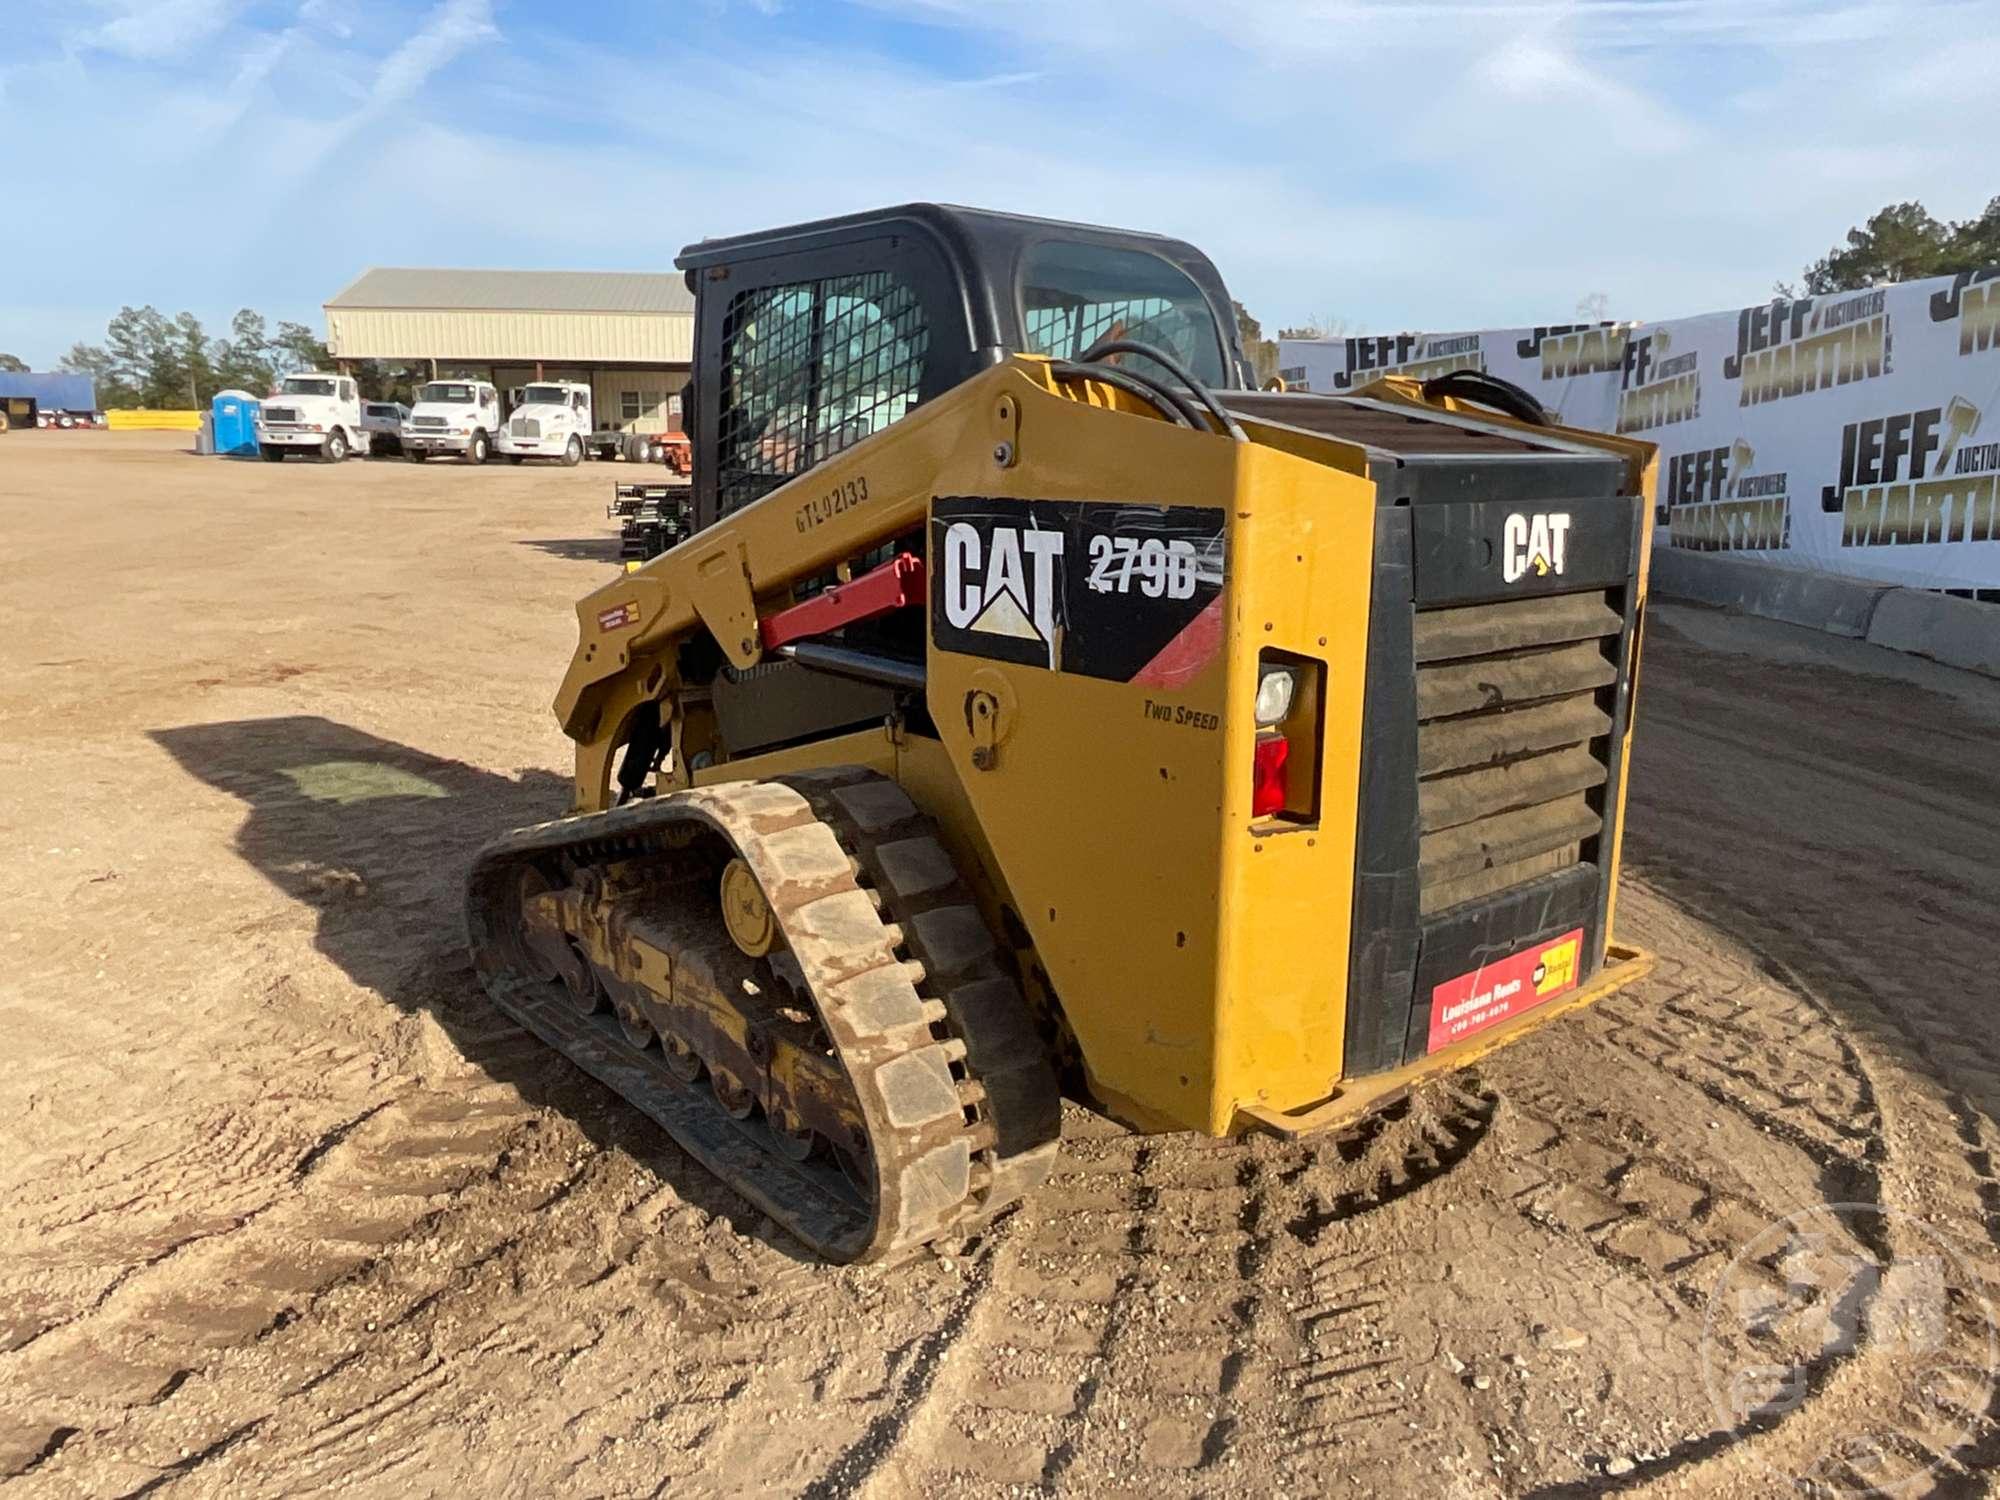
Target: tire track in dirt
{"x":1055,"y":1281}
{"x":1603,"y":1167}
{"x":230,"y":1169}
{"x":168,"y":1319}
{"x":562,"y":1276}
{"x":319,"y":1346}
{"x":1956,"y":1435}
{"x":1880,"y":924}
{"x":1127,"y":1315}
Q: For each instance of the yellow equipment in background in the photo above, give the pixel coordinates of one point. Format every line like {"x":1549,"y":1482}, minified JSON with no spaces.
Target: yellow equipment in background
{"x":1036,"y":707}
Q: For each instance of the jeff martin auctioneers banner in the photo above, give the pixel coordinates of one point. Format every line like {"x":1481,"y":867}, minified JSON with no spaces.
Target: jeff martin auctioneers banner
{"x":1854,"y":433}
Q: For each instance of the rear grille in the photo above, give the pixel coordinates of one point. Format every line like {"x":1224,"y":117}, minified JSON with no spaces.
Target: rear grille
{"x":525,"y":427}
{"x":1512,"y":725}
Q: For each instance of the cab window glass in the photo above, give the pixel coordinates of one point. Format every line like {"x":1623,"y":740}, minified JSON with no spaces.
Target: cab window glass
{"x":1073,"y":294}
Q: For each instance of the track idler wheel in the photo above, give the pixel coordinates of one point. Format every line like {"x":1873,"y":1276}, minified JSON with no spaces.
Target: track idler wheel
{"x":746,"y":912}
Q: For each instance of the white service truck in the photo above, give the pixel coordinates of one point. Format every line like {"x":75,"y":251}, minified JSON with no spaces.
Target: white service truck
{"x":550,"y":419}
{"x":453,"y":416}
{"x":311,"y":413}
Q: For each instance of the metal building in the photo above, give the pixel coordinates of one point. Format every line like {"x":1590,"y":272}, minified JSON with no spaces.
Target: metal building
{"x":630,"y":334}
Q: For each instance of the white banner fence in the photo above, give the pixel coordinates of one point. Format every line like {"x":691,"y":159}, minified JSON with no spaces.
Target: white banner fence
{"x":1856,"y":433}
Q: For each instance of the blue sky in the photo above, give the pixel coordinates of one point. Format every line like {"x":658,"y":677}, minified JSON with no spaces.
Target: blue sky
{"x":1394,"y":164}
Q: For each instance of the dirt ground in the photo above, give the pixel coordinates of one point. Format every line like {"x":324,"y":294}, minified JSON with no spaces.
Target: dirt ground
{"x":284,"y":1207}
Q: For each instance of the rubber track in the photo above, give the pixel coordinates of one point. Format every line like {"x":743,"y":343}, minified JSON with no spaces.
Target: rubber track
{"x":938,"y":1046}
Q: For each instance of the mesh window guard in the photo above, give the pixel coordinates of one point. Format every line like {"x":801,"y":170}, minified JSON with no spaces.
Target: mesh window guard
{"x":810,"y":369}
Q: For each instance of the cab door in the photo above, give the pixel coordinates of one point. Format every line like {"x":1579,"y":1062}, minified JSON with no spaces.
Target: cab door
{"x":799,"y":353}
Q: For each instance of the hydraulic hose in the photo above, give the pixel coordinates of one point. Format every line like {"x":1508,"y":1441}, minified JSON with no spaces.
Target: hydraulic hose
{"x":1487,"y":390}
{"x":1155,"y":393}
{"x":1108,"y":346}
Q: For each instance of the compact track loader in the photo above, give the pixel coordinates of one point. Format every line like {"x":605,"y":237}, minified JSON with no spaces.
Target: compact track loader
{"x":1035,"y":707}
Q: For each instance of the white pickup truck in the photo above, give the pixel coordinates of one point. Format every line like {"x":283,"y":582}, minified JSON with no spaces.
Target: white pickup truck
{"x":311,"y":413}
{"x":550,"y":419}
{"x":453,"y":416}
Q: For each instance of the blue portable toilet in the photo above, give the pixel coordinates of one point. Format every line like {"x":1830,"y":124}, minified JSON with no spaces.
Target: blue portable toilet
{"x":235,"y":417}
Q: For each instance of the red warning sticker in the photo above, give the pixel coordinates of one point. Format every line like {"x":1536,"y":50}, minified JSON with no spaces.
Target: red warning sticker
{"x":1469,"y":1004}
{"x":619,"y":616}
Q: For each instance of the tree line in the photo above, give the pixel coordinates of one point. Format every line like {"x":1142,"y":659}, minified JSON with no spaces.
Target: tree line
{"x":148,"y":359}
{"x":1904,"y":242}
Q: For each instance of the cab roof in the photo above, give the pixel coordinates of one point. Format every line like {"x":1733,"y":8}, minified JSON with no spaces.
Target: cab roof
{"x":982,"y":248}
{"x":951,"y":222}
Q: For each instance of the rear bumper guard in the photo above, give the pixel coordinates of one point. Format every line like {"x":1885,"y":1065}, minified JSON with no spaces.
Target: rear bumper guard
{"x":1622,"y":966}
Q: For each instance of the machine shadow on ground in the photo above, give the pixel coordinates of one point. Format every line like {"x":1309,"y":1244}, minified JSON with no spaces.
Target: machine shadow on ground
{"x":602,"y":549}
{"x":376,"y":838}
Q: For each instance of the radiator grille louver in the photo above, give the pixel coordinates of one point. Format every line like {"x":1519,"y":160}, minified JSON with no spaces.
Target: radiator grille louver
{"x":525,"y":427}
{"x":1512,"y":724}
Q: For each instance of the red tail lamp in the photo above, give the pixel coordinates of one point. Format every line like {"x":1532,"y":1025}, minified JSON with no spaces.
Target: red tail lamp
{"x":1267,"y":775}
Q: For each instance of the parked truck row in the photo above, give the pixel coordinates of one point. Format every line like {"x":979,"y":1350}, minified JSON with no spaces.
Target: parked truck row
{"x":324,"y":416}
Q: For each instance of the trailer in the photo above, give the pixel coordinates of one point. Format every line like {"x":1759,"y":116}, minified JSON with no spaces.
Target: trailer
{"x":626,"y":444}
{"x":619,"y":445}
{"x":30,"y":398}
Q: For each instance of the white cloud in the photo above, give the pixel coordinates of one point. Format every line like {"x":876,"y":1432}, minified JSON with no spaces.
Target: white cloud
{"x":450,"y":30}
{"x":155,"y":30}
{"x":326,"y":14}
{"x":452,"y":27}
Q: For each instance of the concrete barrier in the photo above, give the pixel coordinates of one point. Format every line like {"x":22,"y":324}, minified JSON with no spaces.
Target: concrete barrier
{"x":1958,"y":632}
{"x":1839,"y":606}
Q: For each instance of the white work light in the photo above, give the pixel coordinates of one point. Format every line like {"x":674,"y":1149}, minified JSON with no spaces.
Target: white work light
{"x":1274,"y":695}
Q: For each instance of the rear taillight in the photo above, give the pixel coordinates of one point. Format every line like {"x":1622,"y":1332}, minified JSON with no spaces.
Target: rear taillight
{"x":1267,"y":775}
{"x":1285,"y":769}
